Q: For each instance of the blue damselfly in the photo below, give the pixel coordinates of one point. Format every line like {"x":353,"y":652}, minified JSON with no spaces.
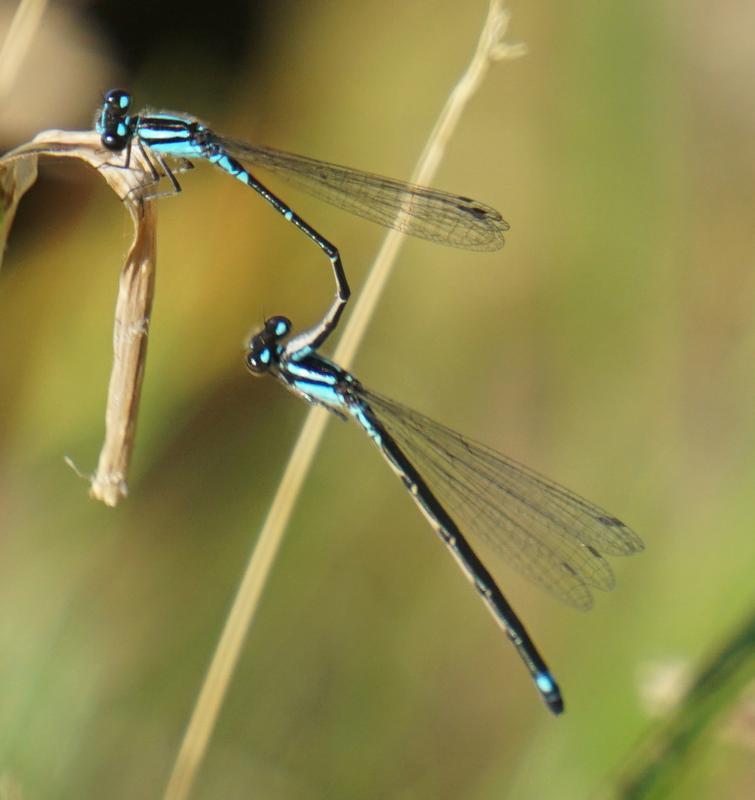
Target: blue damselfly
{"x":546,"y":532}
{"x":426,"y":213}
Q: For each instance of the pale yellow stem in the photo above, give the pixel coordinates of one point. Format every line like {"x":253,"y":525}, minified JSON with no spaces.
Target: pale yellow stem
{"x":201,"y":725}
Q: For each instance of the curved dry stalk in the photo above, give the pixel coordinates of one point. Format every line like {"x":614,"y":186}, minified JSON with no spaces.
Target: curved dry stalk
{"x":490,"y":48}
{"x":18,"y":171}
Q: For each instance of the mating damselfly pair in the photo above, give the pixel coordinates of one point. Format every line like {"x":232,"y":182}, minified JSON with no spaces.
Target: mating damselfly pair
{"x":464,"y":489}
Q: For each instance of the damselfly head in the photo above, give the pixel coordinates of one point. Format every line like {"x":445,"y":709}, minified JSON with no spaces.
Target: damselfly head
{"x":113,"y":122}
{"x":264,"y":348}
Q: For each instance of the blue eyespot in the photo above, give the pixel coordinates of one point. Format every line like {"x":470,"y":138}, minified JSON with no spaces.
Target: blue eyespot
{"x":278,"y":326}
{"x":545,"y":682}
{"x":118,"y":98}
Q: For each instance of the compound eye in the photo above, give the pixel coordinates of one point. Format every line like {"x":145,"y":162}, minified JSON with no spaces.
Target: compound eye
{"x":114,"y":141}
{"x":118,"y":99}
{"x":258,"y":360}
{"x":278,"y":326}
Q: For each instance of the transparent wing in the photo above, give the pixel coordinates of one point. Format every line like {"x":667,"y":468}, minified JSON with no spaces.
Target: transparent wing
{"x":416,"y":210}
{"x":547,"y":533}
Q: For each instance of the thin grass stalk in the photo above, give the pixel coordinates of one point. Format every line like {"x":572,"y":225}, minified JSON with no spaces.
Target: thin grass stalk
{"x":490,"y":48}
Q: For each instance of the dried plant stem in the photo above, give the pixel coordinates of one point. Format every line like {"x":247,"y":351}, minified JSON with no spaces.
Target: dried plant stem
{"x":490,"y":48}
{"x":133,"y":308}
{"x":199,"y":730}
{"x":135,"y":290}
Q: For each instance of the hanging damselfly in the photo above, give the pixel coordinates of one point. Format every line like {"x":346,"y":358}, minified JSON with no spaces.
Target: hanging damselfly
{"x":466,"y":491}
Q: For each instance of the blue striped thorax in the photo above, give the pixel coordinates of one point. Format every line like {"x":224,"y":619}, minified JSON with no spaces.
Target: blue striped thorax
{"x":174,"y":135}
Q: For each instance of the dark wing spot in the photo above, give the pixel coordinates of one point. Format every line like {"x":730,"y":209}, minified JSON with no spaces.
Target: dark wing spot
{"x":475,"y":211}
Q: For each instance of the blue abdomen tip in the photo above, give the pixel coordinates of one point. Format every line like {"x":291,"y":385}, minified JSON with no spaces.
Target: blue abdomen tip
{"x":545,"y":683}
{"x":550,"y":691}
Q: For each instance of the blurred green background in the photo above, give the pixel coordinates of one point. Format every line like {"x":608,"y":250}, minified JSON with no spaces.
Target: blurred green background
{"x":609,"y":345}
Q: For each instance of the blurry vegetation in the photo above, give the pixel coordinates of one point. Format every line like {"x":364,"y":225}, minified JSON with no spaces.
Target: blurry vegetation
{"x":609,"y":345}
{"x":718,"y":709}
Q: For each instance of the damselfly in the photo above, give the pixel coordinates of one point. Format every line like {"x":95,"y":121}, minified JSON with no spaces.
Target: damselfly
{"x":546,"y":532}
{"x":427,"y":213}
